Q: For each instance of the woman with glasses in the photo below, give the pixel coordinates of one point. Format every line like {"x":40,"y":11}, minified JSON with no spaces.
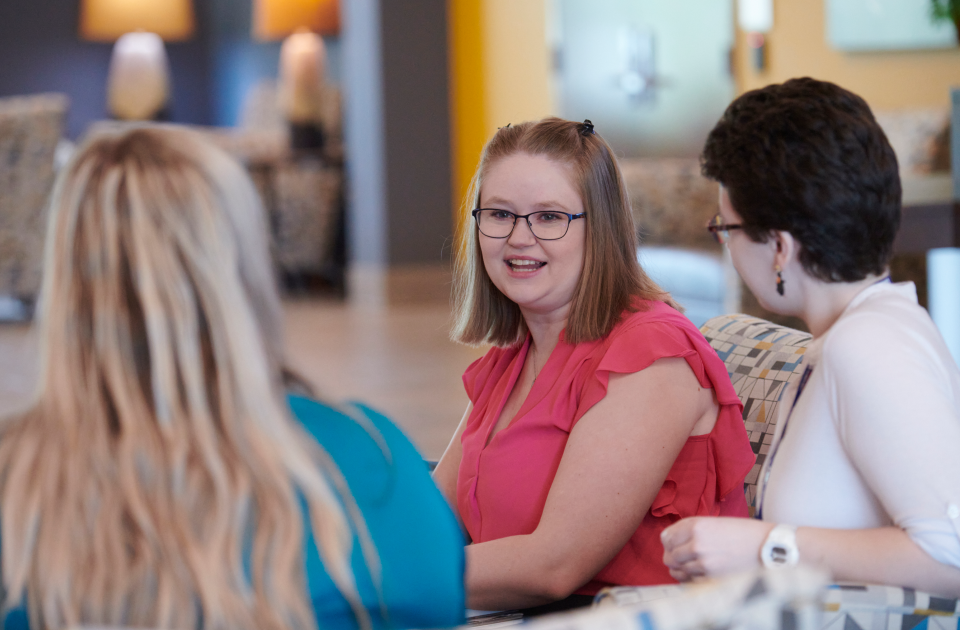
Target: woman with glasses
{"x":163,"y":478}
{"x":863,"y":476}
{"x":600,"y":415}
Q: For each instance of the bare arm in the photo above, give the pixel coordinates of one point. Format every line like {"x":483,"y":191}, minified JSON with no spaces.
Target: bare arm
{"x":615,"y":462}
{"x":714,"y":546}
{"x":445,"y":474}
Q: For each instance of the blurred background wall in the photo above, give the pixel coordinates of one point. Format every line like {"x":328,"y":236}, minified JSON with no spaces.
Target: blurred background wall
{"x":41,"y":51}
{"x":426,"y":83}
{"x":887,"y":79}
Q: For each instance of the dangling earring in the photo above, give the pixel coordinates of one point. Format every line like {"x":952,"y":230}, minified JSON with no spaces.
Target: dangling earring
{"x":779,"y":279}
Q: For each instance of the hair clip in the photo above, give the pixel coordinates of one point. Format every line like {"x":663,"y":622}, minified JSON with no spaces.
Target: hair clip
{"x":586,"y":127}
{"x":507,"y":126}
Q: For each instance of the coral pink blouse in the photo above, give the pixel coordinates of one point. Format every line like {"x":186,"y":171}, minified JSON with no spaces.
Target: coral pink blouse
{"x":502,"y":486}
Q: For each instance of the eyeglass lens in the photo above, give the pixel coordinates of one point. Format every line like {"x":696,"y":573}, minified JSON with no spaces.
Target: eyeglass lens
{"x":715,"y":227}
{"x":547,"y":226}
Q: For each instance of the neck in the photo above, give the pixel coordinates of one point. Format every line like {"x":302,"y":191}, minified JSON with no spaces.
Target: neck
{"x":545,"y":331}
{"x":824,"y":302}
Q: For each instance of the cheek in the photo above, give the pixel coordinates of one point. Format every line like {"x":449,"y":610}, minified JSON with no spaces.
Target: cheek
{"x":749,"y":262}
{"x":576,"y":251}
{"x":490,"y":254}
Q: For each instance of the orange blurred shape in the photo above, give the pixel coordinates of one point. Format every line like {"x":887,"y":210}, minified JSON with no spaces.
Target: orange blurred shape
{"x":275,"y":19}
{"x":106,"y":20}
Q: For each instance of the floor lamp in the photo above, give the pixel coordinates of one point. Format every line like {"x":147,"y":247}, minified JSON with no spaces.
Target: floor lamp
{"x":300,"y":23}
{"x":138,"y":83}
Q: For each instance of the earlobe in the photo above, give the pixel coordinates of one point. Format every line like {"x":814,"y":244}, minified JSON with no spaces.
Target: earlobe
{"x":784,"y":243}
{"x":785,"y":248}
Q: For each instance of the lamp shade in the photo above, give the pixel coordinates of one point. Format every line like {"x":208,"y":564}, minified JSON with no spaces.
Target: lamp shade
{"x":107,"y":20}
{"x":275,"y":19}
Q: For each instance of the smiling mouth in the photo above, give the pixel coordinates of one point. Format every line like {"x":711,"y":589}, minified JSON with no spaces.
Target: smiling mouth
{"x":524,"y":265}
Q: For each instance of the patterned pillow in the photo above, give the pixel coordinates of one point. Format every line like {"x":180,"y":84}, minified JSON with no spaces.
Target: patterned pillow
{"x":838,"y":607}
{"x":761,"y":359}
{"x":773,"y":599}
{"x":871,"y":606}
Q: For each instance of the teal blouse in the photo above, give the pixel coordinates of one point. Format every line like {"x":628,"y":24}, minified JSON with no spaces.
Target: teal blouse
{"x":417,"y":538}
{"x":416,"y":535}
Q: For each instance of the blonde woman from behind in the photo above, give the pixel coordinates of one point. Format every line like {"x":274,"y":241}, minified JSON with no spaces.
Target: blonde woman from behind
{"x":162,"y":478}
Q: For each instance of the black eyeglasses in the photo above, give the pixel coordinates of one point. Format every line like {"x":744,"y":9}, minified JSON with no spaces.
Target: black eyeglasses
{"x":721,"y":230}
{"x":546,"y":225}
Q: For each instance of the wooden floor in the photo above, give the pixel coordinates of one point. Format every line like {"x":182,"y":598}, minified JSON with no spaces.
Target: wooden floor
{"x":397,"y":359}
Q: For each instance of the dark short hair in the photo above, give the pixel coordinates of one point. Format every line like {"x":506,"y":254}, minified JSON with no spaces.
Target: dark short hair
{"x":807,"y":157}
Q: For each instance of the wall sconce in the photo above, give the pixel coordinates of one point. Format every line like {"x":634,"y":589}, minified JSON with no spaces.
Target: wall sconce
{"x":138,"y":83}
{"x":638,"y":78}
{"x":756,"y":18}
{"x":302,"y":60}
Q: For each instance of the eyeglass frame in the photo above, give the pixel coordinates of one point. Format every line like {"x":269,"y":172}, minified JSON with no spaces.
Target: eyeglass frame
{"x":721,"y":231}
{"x":570,"y":219}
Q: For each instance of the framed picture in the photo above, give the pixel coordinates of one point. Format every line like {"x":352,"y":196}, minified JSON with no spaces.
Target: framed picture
{"x":872,"y":25}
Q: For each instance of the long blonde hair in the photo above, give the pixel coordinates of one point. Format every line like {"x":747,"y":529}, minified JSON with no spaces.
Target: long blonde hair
{"x":611,"y":279}
{"x":158,"y":479}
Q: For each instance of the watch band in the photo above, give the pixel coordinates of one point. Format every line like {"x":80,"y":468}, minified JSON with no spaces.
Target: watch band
{"x":780,"y":547}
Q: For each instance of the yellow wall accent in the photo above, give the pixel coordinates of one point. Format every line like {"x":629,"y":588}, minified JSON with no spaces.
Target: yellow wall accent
{"x":499,"y":72}
{"x":467,"y":92}
{"x":797,"y":47}
{"x":517,"y":63}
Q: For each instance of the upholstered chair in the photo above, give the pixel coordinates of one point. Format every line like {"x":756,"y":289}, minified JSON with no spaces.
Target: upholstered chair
{"x":30,"y":129}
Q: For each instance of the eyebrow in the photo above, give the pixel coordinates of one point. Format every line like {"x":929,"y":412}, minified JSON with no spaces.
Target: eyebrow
{"x":541,"y":206}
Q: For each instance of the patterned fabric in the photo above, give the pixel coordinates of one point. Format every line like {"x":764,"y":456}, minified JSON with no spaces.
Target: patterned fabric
{"x":762,"y":359}
{"x":841,"y":606}
{"x":785,"y":599}
{"x":30,"y":128}
{"x":873,"y":607}
{"x":305,"y":213}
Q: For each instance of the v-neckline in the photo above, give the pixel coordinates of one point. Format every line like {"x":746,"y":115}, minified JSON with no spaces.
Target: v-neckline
{"x":528,"y":401}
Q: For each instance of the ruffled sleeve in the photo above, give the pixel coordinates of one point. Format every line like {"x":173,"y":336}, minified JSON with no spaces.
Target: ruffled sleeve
{"x":639,"y":342}
{"x":491,"y":365}
{"x":636,"y":345}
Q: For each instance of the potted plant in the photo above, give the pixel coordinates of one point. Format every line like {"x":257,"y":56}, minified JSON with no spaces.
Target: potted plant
{"x":946,"y":11}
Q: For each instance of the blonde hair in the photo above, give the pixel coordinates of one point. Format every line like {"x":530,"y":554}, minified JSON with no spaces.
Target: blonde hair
{"x":611,"y":280}
{"x":159,"y":477}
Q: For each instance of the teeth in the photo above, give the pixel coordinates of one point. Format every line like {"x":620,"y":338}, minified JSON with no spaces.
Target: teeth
{"x":524,"y":263}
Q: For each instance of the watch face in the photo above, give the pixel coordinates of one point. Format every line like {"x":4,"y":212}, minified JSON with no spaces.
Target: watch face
{"x":780,"y":548}
{"x":779,"y":555}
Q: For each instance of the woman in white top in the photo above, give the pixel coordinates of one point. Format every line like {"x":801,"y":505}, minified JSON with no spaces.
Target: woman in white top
{"x":863,"y":477}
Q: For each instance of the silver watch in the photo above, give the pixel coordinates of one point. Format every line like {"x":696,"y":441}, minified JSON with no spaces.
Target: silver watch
{"x":780,"y":547}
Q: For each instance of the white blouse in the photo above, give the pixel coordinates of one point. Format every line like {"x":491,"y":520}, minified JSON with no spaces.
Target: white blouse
{"x":874,"y":439}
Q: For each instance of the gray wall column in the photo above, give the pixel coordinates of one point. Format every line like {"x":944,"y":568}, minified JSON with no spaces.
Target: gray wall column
{"x":417,"y":125}
{"x":364,"y":140}
{"x":397,"y":133}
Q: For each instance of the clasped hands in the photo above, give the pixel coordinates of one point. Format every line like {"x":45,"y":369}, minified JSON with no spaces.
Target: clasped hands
{"x":712,"y":545}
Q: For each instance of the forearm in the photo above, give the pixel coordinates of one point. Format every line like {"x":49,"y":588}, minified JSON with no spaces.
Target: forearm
{"x":877,"y":556}
{"x":513,"y":573}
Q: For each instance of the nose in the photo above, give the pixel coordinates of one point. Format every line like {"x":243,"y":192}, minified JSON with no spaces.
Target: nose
{"x":522,"y":234}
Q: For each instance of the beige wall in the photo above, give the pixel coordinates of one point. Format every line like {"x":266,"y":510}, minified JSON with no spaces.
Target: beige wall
{"x":797,"y":46}
{"x":516,"y":62}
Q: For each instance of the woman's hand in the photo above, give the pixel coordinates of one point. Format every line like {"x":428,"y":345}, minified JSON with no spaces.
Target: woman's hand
{"x":707,"y":546}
